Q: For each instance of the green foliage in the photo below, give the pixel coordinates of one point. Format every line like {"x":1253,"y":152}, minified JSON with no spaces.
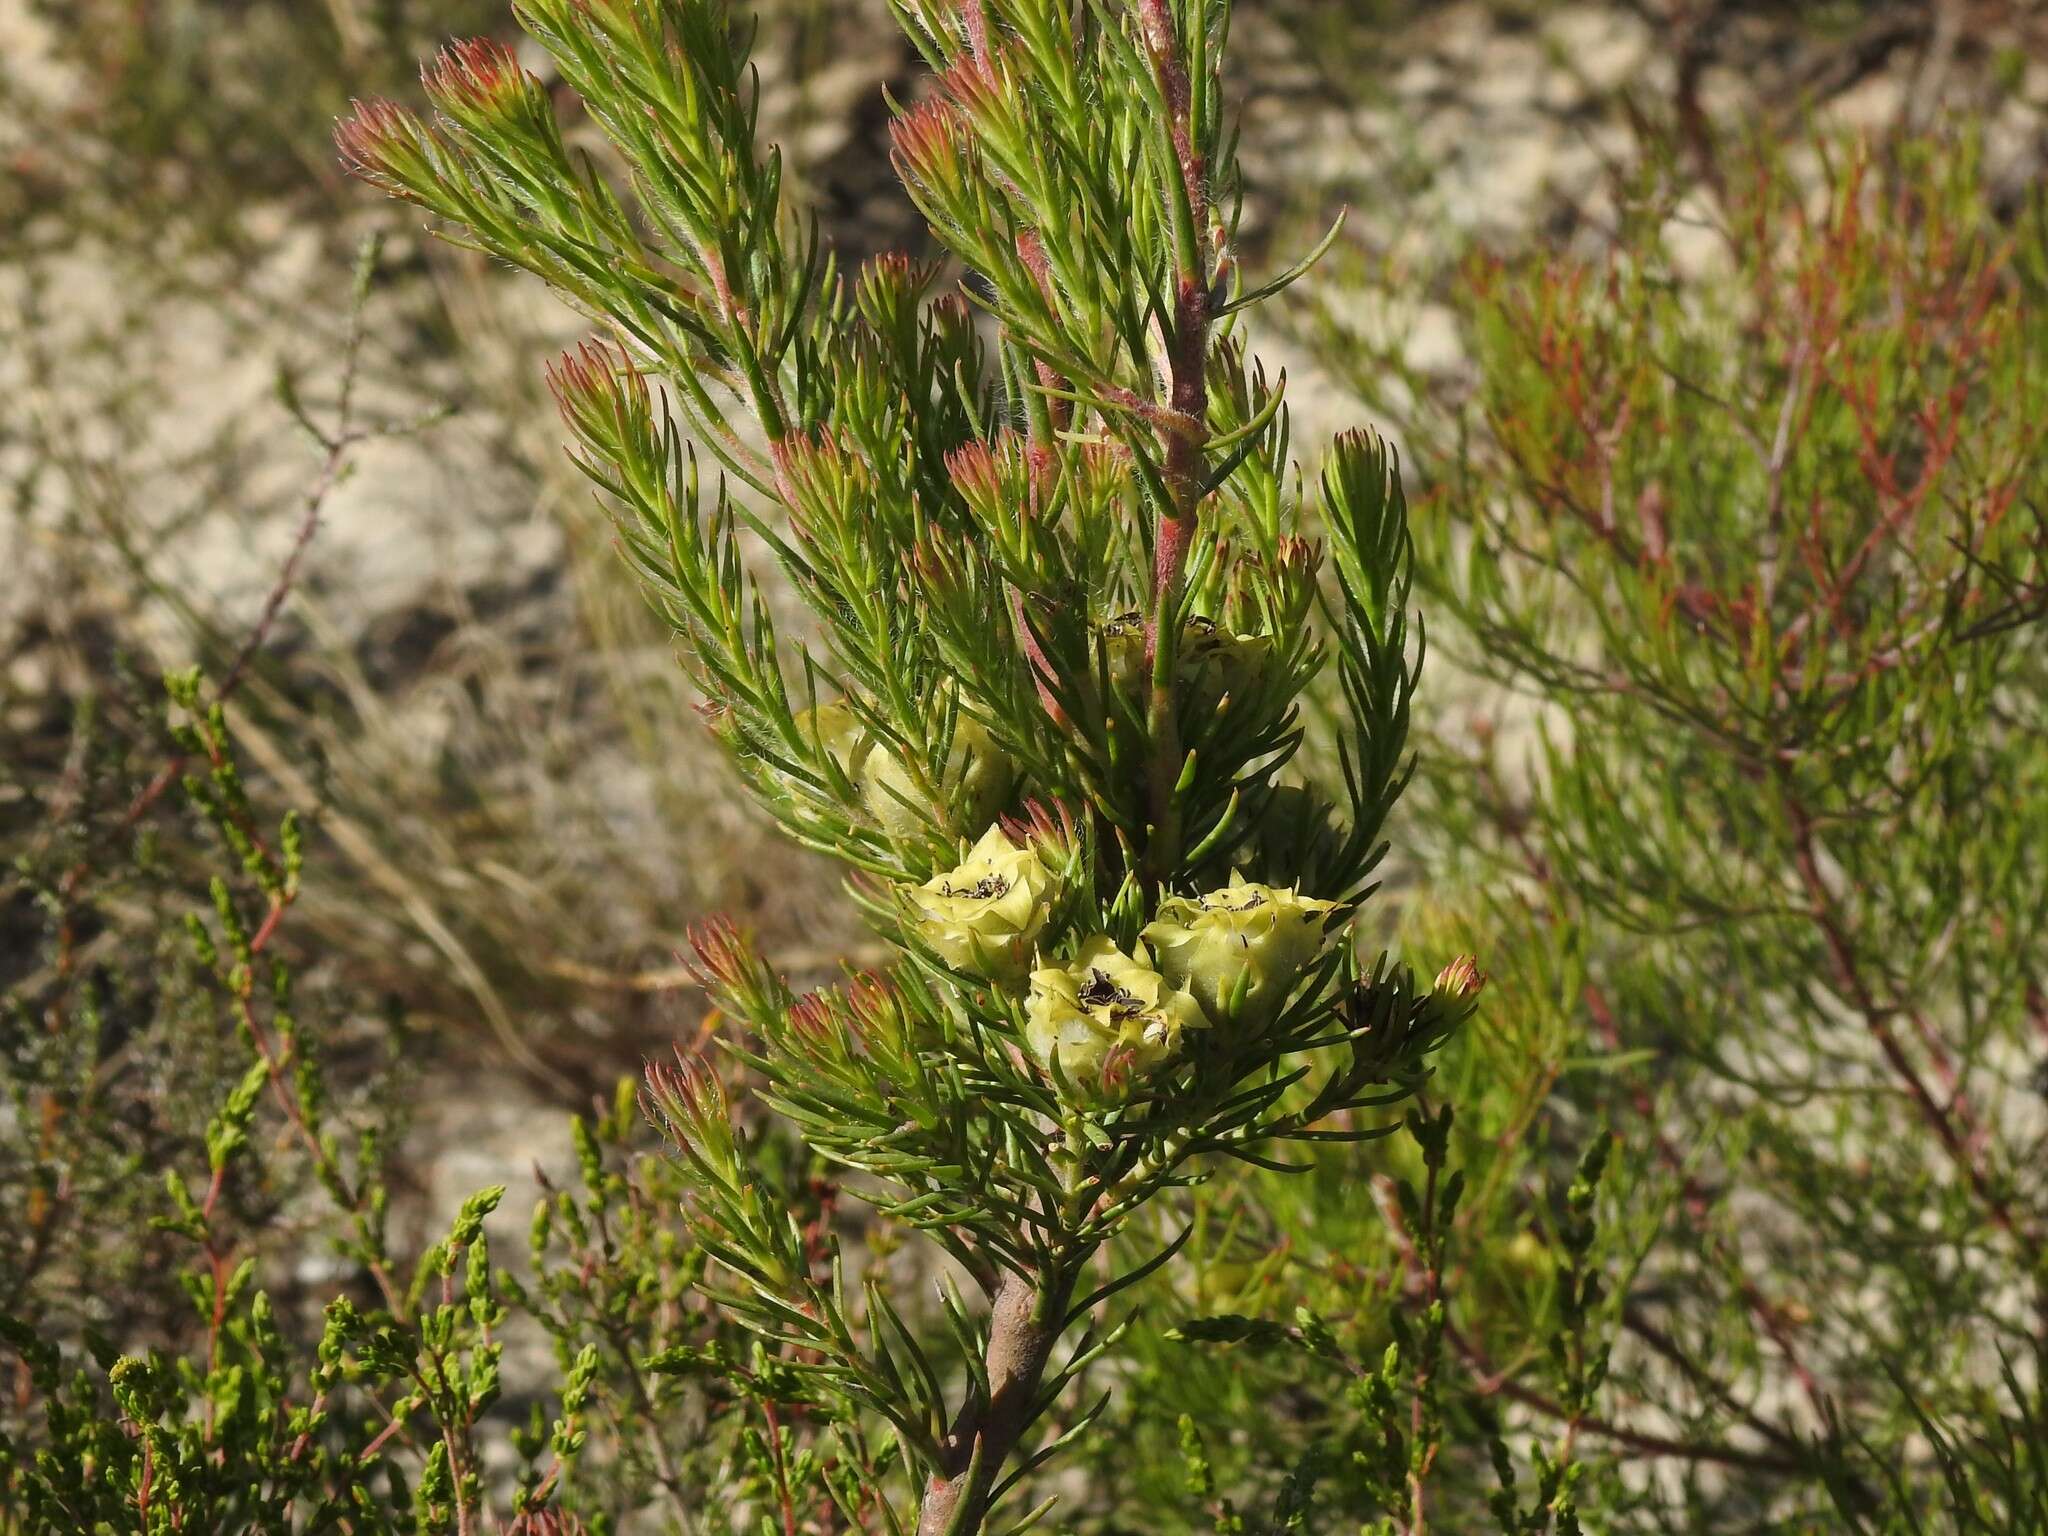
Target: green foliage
{"x":384,"y":1413}
{"x":103,"y":1070}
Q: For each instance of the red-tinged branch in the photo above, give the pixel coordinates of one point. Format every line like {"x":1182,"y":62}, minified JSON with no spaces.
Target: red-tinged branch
{"x":1489,"y":1381}
{"x":975,"y":20}
{"x":1188,"y":347}
{"x":1706,"y":1383}
{"x":1768,"y":1315}
{"x":1162,"y":41}
{"x":1185,"y":465}
{"x":1031,"y":251}
{"x":1042,"y":674}
{"x":1877,"y":1019}
{"x":1496,"y":1383}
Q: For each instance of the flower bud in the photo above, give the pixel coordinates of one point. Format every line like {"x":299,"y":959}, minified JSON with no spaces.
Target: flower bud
{"x":1239,"y":950}
{"x":973,"y":789}
{"x":831,"y":733}
{"x":388,"y":147}
{"x":975,"y":786}
{"x":929,"y":147}
{"x":601,"y":395}
{"x":478,"y":83}
{"x":984,"y":916}
{"x":1461,"y":980}
{"x":1107,"y":1018}
{"x":889,"y":293}
{"x":837,"y":733}
{"x":688,"y":1102}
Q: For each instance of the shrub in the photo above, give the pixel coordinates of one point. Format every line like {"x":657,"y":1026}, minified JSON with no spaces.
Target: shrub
{"x":1743,"y":517}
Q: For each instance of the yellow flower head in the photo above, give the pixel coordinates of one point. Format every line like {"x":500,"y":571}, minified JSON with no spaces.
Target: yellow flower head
{"x":1257,"y":938}
{"x":1212,"y":661}
{"x":984,"y":916}
{"x":1219,"y":663}
{"x":974,"y":786}
{"x":1108,"y":1018}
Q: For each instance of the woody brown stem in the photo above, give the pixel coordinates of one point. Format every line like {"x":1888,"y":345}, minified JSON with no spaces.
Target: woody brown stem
{"x":1022,"y":1331}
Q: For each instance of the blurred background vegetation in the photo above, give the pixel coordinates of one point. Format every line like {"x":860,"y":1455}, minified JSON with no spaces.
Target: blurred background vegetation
{"x":512,"y":804}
